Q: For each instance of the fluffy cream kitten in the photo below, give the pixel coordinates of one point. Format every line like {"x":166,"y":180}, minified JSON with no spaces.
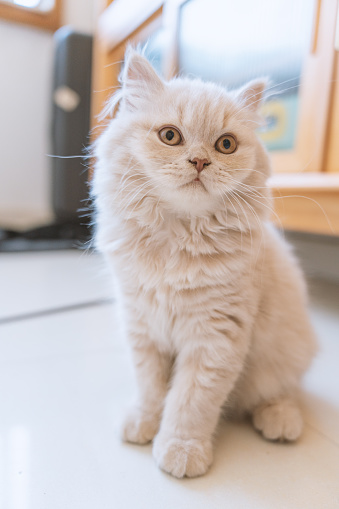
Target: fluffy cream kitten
{"x":214,"y":303}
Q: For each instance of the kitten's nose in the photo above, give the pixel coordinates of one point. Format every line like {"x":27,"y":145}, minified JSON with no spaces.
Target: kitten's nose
{"x":199,"y":163}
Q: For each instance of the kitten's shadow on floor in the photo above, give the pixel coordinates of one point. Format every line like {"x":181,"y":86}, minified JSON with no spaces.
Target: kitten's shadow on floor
{"x":254,"y":469}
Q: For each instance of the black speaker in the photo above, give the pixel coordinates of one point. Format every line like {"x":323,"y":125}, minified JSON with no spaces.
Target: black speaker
{"x":70,"y":109}
{"x":70,"y":122}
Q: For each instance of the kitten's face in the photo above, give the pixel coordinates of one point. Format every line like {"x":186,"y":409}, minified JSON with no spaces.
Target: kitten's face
{"x":193,"y":141}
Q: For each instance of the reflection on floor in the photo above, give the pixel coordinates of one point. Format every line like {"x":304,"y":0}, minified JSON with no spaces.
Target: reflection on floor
{"x":66,"y":376}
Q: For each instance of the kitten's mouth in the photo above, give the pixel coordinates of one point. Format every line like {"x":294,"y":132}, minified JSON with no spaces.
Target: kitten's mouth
{"x":198,"y":182}
{"x":195,"y":183}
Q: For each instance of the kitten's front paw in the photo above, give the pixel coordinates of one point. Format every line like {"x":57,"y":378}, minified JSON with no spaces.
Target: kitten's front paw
{"x":181,"y":458}
{"x":281,"y":420}
{"x":139,"y":428}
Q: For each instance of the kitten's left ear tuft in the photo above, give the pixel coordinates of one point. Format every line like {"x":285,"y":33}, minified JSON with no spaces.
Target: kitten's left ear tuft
{"x":139,"y":79}
{"x":251,"y":94}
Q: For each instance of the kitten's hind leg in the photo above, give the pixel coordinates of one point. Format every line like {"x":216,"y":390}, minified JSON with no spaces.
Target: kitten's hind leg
{"x":279,"y":419}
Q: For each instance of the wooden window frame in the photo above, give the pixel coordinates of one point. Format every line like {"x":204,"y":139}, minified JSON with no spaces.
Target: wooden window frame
{"x":48,"y":20}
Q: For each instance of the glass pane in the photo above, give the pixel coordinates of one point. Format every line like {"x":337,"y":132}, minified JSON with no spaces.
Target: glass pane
{"x":231,"y":42}
{"x":39,"y":5}
{"x":27,"y":3}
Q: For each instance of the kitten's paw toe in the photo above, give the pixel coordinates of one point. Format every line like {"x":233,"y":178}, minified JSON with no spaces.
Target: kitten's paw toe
{"x":181,"y":458}
{"x":279,"y":421}
{"x":139,"y":428}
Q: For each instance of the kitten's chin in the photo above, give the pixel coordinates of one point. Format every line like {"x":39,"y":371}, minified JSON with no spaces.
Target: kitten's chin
{"x":194,"y":186}
{"x":191,"y":199}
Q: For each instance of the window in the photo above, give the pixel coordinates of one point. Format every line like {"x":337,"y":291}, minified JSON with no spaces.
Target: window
{"x":41,"y":5}
{"x":40,"y":13}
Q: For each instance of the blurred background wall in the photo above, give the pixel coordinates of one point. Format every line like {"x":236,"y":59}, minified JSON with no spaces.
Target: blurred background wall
{"x":26,"y":63}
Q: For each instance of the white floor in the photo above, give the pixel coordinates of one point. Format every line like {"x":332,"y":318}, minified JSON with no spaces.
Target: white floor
{"x":65,"y":377}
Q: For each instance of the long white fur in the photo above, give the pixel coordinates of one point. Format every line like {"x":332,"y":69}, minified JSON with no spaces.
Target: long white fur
{"x":215,"y":306}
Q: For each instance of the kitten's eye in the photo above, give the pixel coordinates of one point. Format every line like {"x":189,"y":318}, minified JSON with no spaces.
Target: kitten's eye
{"x":226,"y":144}
{"x":170,"y":135}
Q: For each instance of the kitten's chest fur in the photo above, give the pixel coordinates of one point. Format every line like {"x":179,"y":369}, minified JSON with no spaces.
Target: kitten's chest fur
{"x":183,"y":255}
{"x":176,"y":278}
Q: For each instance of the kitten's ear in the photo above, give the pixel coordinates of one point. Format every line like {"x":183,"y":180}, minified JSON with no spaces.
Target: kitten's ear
{"x":251,"y":94}
{"x":139,"y":80}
